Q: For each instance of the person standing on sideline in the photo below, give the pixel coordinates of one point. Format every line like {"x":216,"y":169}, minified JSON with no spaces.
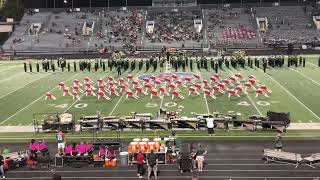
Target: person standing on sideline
{"x":1,"y":165}
{"x":61,"y":141}
{"x":140,"y":163}
{"x":278,"y":143}
{"x":200,"y":157}
{"x":210,"y":125}
{"x":152,"y":162}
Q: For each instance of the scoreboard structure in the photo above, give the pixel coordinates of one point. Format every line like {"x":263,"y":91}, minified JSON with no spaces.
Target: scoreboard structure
{"x":174,"y":3}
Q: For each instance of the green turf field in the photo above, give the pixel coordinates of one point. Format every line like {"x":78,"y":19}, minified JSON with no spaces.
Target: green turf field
{"x":294,"y":90}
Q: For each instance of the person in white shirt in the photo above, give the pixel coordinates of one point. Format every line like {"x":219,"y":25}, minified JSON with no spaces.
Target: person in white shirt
{"x":210,"y":125}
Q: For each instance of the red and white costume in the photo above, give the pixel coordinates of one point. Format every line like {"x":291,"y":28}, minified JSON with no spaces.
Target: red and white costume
{"x":139,"y":89}
{"x":76,"y":82}
{"x":168,"y":80}
{"x":197,"y":77}
{"x":240,"y":89}
{"x":163,"y":90}
{"x":226,"y":81}
{"x":131,"y":94}
{"x":102,"y":88}
{"x":89,"y":91}
{"x":239,"y":76}
{"x":213,"y":79}
{"x":111,"y":84}
{"x":188,"y":80}
{"x":221,"y":85}
{"x":192,"y":89}
{"x":157,"y":83}
{"x":175,"y":77}
{"x":248,"y":85}
{"x":252,"y":77}
{"x":77,"y":88}
{"x":176,"y":94}
{"x":66,"y":91}
{"x":216,"y":89}
{"x":50,"y":96}
{"x":265,"y":88}
{"x":233,"y":79}
{"x":101,"y":94}
{"x":206,"y":83}
{"x":146,"y":81}
{"x":148,"y":87}
{"x":208,"y":93}
{"x":100,"y":81}
{"x":173,"y":87}
{"x":89,"y":86}
{"x":154,"y":92}
{"x":75,"y":94}
{"x":123,"y":88}
{"x":121,"y":81}
{"x":61,"y":85}
{"x":198,"y":86}
{"x":232,"y":92}
{"x":129,"y":77}
{"x":112,"y":90}
{"x":110,"y":78}
{"x":260,"y":91}
{"x":87,"y":80}
{"x":217,"y":76}
{"x":180,"y":83}
{"x":135,"y":83}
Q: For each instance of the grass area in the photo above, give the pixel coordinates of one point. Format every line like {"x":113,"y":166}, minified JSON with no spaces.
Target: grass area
{"x":294,"y":90}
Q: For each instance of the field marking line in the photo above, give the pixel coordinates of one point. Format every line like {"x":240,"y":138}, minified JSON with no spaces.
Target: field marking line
{"x":305,"y":76}
{"x":208,"y":109}
{"x":294,"y":97}
{"x":84,"y":94}
{"x":11,"y":77}
{"x":8,"y":69}
{"x":116,"y":104}
{"x":23,"y":86}
{"x":258,"y":110}
{"x":34,"y":101}
{"x":313,"y":64}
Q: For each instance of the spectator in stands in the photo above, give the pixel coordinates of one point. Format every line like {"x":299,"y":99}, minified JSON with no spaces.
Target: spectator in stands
{"x":140,"y":163}
{"x":42,"y":147}
{"x":278,"y":143}
{"x":152,"y":162}
{"x":33,"y":146}
{"x":1,"y":165}
{"x":102,"y":151}
{"x":68,"y":150}
{"x":200,"y":156}
{"x":81,"y":148}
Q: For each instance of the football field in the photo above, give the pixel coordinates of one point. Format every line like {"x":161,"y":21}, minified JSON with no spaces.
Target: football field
{"x":295,"y":90}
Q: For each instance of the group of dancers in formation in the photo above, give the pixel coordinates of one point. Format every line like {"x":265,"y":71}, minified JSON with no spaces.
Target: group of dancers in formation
{"x":171,"y":85}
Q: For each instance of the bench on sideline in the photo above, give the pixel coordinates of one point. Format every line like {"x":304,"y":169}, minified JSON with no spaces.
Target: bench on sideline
{"x":281,"y":156}
{"x":312,"y":160}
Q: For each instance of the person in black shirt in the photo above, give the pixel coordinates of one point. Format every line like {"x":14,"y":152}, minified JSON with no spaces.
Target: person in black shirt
{"x":25,"y":67}
{"x":1,"y":166}
{"x":38,"y":67}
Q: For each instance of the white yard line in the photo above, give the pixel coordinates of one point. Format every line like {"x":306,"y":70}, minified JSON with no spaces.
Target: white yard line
{"x":116,"y":104}
{"x":291,"y":95}
{"x":258,"y":110}
{"x":8,"y":69}
{"x":33,"y":102}
{"x":305,"y":76}
{"x":208,"y":109}
{"x":313,"y":64}
{"x":22,"y":86}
